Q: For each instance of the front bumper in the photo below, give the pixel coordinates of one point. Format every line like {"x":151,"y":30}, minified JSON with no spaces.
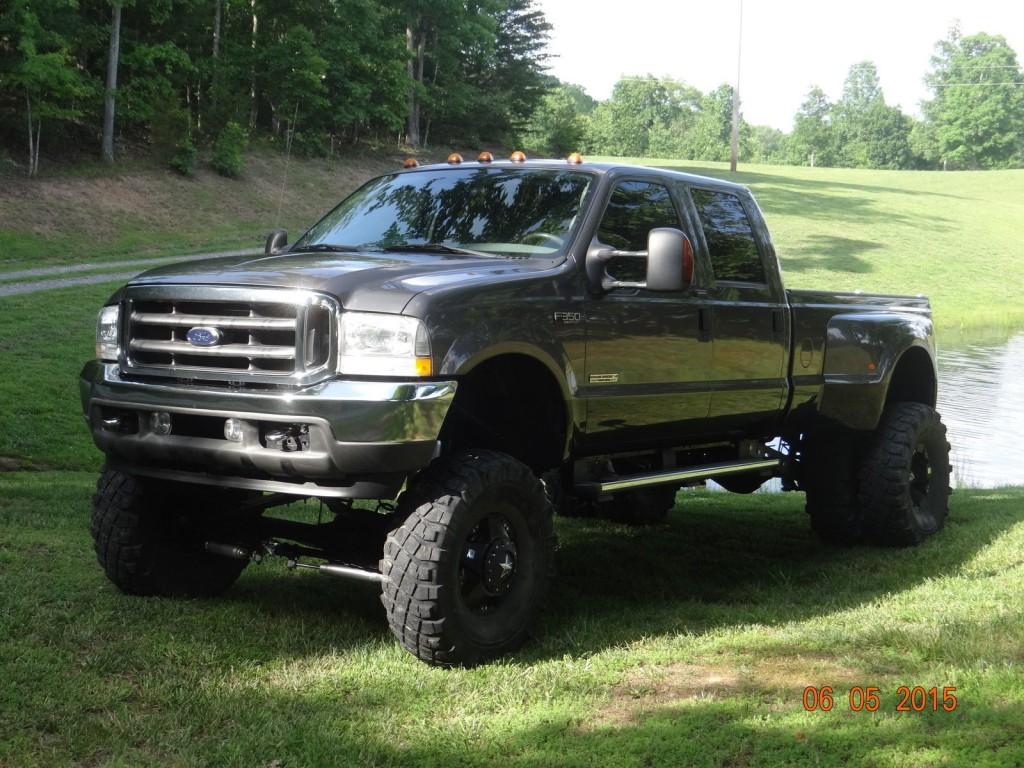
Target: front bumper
{"x":364,"y":437}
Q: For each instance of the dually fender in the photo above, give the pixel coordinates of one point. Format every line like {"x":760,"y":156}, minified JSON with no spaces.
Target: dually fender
{"x":862,"y":351}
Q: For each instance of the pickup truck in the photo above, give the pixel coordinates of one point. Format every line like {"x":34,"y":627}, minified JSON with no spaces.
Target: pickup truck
{"x":459,"y":351}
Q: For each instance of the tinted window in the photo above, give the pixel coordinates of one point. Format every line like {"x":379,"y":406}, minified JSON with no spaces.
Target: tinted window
{"x":730,"y":237}
{"x":635,"y":208}
{"x":521,"y":212}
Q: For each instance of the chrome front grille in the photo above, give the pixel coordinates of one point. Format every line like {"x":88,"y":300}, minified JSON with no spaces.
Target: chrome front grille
{"x":261,"y":335}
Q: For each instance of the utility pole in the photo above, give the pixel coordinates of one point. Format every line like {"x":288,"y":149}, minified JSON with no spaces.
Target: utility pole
{"x":736,"y":97}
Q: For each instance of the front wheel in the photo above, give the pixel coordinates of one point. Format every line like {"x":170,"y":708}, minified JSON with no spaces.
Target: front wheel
{"x":904,"y":477}
{"x":149,"y":535}
{"x":466,"y":573}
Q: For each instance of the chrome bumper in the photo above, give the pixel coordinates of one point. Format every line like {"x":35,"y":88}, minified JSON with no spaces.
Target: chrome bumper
{"x":365,"y":437}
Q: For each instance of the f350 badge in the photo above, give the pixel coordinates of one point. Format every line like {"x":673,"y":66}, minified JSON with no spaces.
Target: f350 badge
{"x":568,"y":318}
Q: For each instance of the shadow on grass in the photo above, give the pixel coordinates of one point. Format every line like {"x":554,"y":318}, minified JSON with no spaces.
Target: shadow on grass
{"x":721,"y":561}
{"x":832,"y":253}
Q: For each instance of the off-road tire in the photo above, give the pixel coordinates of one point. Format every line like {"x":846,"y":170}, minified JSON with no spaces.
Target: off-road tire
{"x":899,"y":509}
{"x":424,"y":560}
{"x":830,"y":458}
{"x":149,"y":535}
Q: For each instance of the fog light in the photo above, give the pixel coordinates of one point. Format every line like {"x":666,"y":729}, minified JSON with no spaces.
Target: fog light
{"x":233,"y":430}
{"x":160,"y":423}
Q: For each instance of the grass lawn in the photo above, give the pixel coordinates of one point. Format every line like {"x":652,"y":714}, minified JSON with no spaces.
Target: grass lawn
{"x":684,"y":644}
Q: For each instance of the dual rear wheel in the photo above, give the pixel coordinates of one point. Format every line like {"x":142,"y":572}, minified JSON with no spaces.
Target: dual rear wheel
{"x":890,"y":487}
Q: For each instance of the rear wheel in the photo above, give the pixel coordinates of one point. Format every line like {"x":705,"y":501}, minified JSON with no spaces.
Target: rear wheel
{"x":829,"y":462}
{"x":904,"y":478}
{"x":149,"y":535}
{"x":466,"y":573}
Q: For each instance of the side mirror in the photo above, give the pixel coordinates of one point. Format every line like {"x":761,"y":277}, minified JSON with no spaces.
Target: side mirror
{"x":669,"y":260}
{"x":277,"y":241}
{"x":669,"y":257}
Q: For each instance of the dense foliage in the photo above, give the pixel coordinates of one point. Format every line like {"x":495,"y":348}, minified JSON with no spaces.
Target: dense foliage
{"x":309,"y":74}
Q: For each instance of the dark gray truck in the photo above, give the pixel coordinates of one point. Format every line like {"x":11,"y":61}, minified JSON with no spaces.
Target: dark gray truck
{"x":476,"y":346}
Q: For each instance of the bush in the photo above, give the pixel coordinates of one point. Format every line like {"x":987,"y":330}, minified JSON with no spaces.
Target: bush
{"x":184,"y":158}
{"x":229,"y":151}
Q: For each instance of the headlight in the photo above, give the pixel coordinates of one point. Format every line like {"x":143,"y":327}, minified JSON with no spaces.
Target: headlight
{"x":383,"y":345}
{"x":106,"y":333}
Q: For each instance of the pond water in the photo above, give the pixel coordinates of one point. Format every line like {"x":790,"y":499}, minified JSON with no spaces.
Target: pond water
{"x":981,"y":399}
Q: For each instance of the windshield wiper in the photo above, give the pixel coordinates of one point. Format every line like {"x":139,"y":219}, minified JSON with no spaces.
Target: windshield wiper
{"x":423,"y":248}
{"x":326,"y":248}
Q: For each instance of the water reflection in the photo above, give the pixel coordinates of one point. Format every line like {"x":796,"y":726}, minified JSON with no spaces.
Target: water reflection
{"x":981,"y":399}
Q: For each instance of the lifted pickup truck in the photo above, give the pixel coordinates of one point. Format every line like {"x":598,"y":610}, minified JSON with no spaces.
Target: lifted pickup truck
{"x":488,"y":343}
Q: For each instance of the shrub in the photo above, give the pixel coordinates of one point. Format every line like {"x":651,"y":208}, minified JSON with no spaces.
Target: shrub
{"x":184,"y":158}
{"x":229,"y":151}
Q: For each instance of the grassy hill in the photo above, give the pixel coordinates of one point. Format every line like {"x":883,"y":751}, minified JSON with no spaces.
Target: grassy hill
{"x":94,"y":214}
{"x":953,"y":236}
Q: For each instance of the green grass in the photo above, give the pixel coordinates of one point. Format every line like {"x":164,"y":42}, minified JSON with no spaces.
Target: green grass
{"x":954,"y":237}
{"x":685,"y":644}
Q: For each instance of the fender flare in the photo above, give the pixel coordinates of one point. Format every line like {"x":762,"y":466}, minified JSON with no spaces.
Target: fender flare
{"x":862,"y":350}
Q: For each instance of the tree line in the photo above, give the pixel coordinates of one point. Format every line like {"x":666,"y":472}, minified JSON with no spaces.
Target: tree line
{"x":975,"y":118}
{"x":173,"y":77}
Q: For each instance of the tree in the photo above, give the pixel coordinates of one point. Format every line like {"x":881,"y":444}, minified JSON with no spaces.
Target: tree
{"x":976,"y":111}
{"x":39,"y":70}
{"x":769,"y":144}
{"x":639,"y":106}
{"x":868,"y":133}
{"x":556,"y":127}
{"x":811,"y":140}
{"x":109,"y":94}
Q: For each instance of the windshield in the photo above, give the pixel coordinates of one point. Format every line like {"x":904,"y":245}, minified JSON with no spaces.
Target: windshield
{"x":499,"y":211}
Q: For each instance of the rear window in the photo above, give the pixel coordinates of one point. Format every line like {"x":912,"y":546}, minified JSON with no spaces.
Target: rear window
{"x":729,"y":235}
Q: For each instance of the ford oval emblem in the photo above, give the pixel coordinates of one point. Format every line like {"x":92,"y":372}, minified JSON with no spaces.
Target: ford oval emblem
{"x":204,"y":336}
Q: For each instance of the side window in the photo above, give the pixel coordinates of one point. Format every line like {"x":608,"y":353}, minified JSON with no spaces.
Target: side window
{"x":635,"y":208}
{"x":730,"y":238}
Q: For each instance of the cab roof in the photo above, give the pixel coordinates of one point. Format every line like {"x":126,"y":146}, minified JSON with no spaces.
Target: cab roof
{"x":591,"y":167}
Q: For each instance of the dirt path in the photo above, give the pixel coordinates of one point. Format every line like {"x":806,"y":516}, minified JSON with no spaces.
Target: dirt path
{"x":17,"y":288}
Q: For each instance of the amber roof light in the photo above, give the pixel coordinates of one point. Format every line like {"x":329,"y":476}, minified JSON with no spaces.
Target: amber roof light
{"x":485,"y":157}
{"x":575,"y":158}
{"x":454,"y":158}
{"x":517,"y":157}
{"x":410,"y":162}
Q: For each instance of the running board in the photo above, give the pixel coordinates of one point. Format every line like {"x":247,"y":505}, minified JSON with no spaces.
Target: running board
{"x":646,"y":479}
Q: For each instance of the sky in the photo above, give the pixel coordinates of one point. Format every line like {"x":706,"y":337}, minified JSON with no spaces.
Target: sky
{"x":788,"y":45}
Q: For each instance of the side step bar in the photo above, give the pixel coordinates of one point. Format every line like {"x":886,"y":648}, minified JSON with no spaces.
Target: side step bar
{"x":702,"y":472}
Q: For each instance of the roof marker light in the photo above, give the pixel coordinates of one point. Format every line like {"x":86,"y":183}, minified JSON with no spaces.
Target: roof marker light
{"x":454,"y":158}
{"x":410,"y":162}
{"x":517,"y":157}
{"x":575,"y":158}
{"x":485,"y":157}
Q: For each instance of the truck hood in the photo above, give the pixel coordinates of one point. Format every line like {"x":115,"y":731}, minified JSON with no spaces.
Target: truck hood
{"x":368,"y":281}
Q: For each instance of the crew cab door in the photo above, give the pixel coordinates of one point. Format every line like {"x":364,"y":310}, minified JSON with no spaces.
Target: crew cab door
{"x":647,"y":358}
{"x":747,"y":313}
